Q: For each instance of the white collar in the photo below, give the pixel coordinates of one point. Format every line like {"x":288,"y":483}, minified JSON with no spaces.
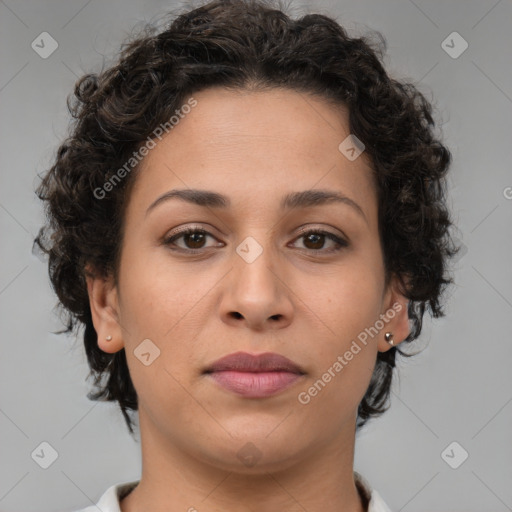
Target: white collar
{"x":109,"y":501}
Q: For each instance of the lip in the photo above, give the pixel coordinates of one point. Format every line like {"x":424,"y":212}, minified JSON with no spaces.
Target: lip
{"x":254,"y":376}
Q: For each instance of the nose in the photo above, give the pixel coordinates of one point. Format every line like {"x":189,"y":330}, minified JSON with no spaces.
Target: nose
{"x":256,"y":295}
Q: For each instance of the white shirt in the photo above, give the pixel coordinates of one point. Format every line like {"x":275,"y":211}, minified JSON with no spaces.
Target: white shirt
{"x":109,"y":501}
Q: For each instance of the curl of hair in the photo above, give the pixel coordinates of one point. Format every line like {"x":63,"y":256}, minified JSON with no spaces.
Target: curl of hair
{"x":252,"y":45}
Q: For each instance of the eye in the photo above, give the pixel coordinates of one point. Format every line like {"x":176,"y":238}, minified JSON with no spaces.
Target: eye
{"x":315,"y":240}
{"x":194,"y":239}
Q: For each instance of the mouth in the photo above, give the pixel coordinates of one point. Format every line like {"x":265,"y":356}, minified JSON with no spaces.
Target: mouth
{"x":254,"y":376}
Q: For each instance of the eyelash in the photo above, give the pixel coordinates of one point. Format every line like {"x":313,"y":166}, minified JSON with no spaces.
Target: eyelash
{"x":169,"y":241}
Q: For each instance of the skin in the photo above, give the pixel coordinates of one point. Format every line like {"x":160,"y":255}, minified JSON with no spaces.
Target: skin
{"x":298,"y":298}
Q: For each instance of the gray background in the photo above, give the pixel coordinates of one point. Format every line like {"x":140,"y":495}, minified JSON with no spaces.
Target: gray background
{"x":459,"y":389}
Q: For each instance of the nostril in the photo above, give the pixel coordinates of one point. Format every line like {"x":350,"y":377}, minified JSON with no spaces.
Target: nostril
{"x":236,"y":314}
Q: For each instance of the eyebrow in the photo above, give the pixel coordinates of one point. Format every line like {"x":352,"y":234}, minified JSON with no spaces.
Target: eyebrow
{"x":291,"y":201}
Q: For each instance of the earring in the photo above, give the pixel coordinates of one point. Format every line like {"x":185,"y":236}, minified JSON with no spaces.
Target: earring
{"x":389,"y":337}
{"x":108,"y":338}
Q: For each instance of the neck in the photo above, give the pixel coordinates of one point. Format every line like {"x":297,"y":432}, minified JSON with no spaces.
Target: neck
{"x":173,"y":480}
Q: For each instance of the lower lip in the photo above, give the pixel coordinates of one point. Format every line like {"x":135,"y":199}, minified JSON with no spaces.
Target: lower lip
{"x":255,"y":385}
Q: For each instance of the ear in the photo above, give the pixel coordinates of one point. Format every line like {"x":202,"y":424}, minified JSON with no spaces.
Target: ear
{"x":394,"y":314}
{"x":104,"y":306}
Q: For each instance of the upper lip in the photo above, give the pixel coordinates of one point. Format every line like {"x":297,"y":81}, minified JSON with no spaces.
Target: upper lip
{"x":244,"y":362}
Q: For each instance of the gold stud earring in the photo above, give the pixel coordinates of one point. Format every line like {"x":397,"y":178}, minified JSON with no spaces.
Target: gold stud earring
{"x":108,"y":338}
{"x":389,"y":337}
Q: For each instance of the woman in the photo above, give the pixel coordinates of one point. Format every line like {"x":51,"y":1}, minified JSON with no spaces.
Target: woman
{"x":247,"y":219}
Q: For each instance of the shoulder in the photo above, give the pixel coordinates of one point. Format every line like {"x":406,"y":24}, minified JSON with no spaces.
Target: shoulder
{"x":109,"y":501}
{"x":374,"y":501}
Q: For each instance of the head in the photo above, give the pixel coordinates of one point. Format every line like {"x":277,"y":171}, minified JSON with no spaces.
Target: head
{"x":248,"y":113}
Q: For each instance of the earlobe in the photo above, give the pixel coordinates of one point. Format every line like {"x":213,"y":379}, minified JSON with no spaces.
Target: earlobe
{"x":104,"y":311}
{"x":396,"y":313}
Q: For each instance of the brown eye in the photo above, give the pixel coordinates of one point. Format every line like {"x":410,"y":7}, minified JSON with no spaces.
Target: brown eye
{"x":192,"y":239}
{"x":315,"y":240}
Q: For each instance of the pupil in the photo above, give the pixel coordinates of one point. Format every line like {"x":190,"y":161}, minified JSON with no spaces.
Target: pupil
{"x":194,"y":238}
{"x":317,"y":240}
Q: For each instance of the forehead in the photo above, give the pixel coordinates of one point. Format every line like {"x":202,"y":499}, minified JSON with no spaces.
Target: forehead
{"x":255,"y":145}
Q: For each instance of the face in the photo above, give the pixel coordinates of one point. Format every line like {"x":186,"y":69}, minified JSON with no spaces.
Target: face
{"x":271,"y":267}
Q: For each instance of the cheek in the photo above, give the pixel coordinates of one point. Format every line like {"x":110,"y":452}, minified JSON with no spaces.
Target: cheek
{"x":158,"y":295}
{"x":347,"y":301}
{"x":166,"y":304}
{"x":347,"y":306}
{"x":344,"y":357}
{"x":157,"y":305}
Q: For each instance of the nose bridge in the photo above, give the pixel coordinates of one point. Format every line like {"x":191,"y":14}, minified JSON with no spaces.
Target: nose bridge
{"x":256,"y":292}
{"x":255,"y":268}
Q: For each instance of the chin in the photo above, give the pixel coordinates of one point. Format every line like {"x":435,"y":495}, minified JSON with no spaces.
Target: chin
{"x":254,"y":451}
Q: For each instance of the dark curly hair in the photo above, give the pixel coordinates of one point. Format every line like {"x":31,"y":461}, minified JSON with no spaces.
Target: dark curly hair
{"x":254,"y":45}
